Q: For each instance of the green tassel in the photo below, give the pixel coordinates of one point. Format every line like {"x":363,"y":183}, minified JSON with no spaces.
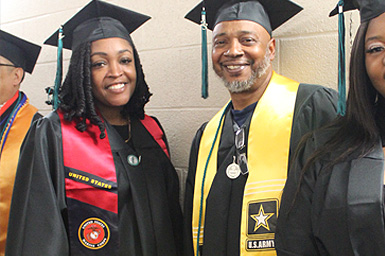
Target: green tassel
{"x":59,"y":70}
{"x":341,"y":61}
{"x":205,"y":93}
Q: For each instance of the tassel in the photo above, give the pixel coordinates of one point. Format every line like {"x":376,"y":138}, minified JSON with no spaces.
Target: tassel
{"x":205,"y":93}
{"x":341,"y":61}
{"x":59,"y":70}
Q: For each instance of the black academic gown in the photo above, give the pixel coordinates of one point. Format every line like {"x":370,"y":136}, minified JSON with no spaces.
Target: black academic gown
{"x":150,"y":219}
{"x":314,"y":107}
{"x":338,"y":210}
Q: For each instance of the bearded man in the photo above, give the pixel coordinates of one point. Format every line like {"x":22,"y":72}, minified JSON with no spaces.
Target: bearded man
{"x":239,"y":159}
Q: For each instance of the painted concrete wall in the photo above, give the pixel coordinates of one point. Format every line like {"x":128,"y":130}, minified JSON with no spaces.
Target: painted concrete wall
{"x":169,"y":47}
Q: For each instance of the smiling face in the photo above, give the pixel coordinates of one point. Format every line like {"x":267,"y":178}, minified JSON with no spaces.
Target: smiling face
{"x":10,"y":79}
{"x":375,"y":53}
{"x":113,"y":73}
{"x":242,"y":54}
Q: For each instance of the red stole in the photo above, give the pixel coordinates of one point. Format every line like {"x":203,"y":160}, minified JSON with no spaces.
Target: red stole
{"x":156,"y":132}
{"x":91,"y":190}
{"x":91,"y":187}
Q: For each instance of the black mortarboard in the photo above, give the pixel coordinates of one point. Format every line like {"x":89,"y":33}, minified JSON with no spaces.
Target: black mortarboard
{"x":98,"y":20}
{"x":21,"y":53}
{"x":369,"y":9}
{"x":270,"y":14}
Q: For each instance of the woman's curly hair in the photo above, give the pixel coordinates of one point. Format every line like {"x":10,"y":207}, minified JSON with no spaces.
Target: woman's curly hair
{"x":77,"y":100}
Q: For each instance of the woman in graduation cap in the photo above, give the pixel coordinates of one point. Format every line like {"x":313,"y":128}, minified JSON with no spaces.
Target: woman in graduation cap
{"x":333,"y":202}
{"x":94,"y":176}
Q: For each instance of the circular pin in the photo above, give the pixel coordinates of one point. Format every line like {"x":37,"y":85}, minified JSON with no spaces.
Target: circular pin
{"x":133,"y":160}
{"x":233,"y":171}
{"x":94,"y":233}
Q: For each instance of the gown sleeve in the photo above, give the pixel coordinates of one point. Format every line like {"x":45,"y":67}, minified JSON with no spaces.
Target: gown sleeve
{"x":294,"y":234}
{"x":316,"y":106}
{"x":38,"y":209}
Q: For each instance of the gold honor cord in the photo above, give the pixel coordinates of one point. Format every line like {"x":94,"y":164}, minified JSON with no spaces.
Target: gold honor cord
{"x":268,"y":150}
{"x":209,"y":143}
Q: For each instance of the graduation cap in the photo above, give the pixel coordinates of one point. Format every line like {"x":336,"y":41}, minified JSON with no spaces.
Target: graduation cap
{"x":270,"y":14}
{"x":21,"y":53}
{"x":98,"y":20}
{"x":369,"y":9}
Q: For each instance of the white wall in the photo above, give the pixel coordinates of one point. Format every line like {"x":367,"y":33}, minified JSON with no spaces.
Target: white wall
{"x":169,"y":47}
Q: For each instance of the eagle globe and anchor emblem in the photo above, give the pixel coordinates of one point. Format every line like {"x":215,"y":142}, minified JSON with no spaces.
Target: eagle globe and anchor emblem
{"x":94,"y":233}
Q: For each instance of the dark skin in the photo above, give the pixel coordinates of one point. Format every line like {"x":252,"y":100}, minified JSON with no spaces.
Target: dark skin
{"x":113,"y":77}
{"x":375,"y":55}
{"x":239,"y":47}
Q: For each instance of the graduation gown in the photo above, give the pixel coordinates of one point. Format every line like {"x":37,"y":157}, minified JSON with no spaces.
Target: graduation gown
{"x":9,"y":155}
{"x":314,"y":107}
{"x":150,"y":218}
{"x":338,"y":210}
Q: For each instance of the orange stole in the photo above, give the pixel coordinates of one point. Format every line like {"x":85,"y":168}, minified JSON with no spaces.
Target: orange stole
{"x":8,"y":164}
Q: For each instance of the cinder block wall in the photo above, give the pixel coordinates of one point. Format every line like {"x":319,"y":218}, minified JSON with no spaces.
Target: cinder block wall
{"x":169,"y":47}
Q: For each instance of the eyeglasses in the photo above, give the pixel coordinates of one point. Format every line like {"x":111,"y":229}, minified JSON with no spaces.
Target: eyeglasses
{"x":240,"y":150}
{"x":240,"y":138}
{"x":8,"y":65}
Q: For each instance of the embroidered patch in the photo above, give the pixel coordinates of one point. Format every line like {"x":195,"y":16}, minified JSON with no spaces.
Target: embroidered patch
{"x":94,"y":233}
{"x":261,"y":224}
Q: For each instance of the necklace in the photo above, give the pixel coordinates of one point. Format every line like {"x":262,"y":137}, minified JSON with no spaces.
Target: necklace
{"x":129,"y":131}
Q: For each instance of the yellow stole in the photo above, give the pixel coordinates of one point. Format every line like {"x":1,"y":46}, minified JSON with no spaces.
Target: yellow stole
{"x":267,"y":155}
{"x":8,"y":164}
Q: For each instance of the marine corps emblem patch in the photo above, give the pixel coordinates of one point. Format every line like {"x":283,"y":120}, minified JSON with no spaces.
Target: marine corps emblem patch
{"x":94,"y":233}
{"x":261,"y":224}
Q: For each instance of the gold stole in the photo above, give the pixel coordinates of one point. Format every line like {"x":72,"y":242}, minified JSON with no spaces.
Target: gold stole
{"x":267,"y":155}
{"x":8,"y":164}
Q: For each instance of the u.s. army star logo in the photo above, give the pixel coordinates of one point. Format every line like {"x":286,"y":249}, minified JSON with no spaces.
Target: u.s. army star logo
{"x":261,"y":219}
{"x":261,"y":224}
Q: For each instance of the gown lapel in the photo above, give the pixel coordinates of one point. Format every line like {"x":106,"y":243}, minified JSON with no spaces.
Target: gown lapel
{"x":365,"y":204}
{"x":138,"y":189}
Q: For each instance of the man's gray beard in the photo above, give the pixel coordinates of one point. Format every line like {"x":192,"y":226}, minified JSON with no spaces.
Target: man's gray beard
{"x":243,"y":86}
